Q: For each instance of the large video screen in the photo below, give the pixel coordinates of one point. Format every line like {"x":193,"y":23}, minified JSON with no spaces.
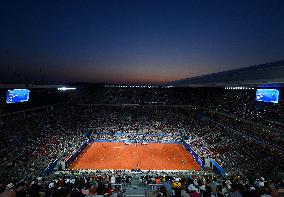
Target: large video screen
{"x":17,"y":95}
{"x":267,"y":95}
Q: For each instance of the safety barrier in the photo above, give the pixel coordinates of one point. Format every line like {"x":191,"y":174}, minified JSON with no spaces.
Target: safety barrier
{"x":216,"y":167}
{"x":194,"y":154}
{"x":50,"y":167}
{"x":75,"y":154}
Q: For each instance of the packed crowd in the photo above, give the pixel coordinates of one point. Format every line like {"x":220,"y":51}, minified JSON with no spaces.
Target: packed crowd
{"x":259,"y":132}
{"x":73,"y":185}
{"x":29,"y":145}
{"x":196,"y":185}
{"x":113,"y":183}
{"x":41,"y":138}
{"x":253,"y":149}
{"x":240,"y":103}
{"x":236,"y":152}
{"x":136,"y":137}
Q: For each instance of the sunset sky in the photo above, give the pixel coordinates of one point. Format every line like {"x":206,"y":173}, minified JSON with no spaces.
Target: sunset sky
{"x":136,"y":41}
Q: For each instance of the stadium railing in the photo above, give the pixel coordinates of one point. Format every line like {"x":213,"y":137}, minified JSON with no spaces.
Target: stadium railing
{"x":194,"y":154}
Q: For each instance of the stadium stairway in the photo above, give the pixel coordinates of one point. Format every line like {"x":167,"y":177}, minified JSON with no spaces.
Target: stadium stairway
{"x":135,"y":189}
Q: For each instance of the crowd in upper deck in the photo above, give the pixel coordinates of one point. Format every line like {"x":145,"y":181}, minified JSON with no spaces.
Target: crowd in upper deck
{"x":29,"y":144}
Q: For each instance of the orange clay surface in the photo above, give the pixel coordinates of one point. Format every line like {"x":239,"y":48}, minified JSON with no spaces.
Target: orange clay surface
{"x":153,"y":156}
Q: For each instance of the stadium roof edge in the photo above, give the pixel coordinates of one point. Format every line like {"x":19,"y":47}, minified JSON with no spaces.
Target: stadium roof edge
{"x":268,"y":73}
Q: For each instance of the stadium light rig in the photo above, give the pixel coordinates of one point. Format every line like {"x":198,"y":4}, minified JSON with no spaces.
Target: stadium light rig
{"x":65,"y":88}
{"x":238,"y":88}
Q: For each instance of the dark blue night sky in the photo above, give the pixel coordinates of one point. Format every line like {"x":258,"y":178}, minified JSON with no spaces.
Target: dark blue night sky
{"x":136,"y":41}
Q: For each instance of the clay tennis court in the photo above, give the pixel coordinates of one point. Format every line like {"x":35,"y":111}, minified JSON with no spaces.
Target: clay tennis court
{"x":158,"y":156}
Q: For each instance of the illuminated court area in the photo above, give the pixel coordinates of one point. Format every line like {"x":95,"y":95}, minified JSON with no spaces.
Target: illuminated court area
{"x":152,"y":156}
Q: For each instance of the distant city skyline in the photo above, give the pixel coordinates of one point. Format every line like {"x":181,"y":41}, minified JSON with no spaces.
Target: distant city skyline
{"x":131,"y":42}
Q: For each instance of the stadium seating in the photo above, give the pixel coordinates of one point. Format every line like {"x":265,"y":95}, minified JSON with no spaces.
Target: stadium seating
{"x":243,"y":136}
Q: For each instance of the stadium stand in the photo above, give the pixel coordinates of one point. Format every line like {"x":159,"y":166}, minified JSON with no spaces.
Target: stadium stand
{"x":243,"y":136}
